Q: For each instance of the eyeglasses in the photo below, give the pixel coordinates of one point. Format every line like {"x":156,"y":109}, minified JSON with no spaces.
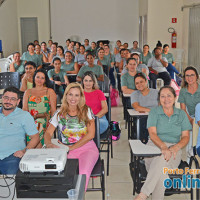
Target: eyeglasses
{"x":190,"y":75}
{"x":9,"y":98}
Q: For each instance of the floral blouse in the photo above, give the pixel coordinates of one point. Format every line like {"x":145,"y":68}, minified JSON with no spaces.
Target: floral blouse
{"x":70,"y":130}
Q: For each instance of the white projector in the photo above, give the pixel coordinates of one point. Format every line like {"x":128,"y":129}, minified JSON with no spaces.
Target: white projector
{"x":44,"y":160}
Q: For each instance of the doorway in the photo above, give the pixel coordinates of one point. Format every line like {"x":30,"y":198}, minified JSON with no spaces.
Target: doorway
{"x":29,"y":31}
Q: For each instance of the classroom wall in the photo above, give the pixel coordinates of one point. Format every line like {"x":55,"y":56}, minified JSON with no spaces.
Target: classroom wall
{"x":39,"y":9}
{"x":9,"y":27}
{"x":95,"y":20}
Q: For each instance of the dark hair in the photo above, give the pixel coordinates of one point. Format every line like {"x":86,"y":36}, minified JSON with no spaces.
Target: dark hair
{"x":135,"y":41}
{"x":155,"y":49}
{"x":86,"y":40}
{"x":55,"y":43}
{"x":68,"y":40}
{"x":165,"y":45}
{"x":184,"y":83}
{"x":56,"y":58}
{"x":37,"y":45}
{"x":129,"y":59}
{"x":100,"y":49}
{"x":94,"y":43}
{"x":17,"y":52}
{"x":61,"y":49}
{"x":47,"y":81}
{"x":93,"y":77}
{"x":126,"y":43}
{"x":36,"y":41}
{"x":50,"y":40}
{"x":135,"y":54}
{"x":146,"y":45}
{"x":78,"y":44}
{"x":119,"y":41}
{"x":122,"y":50}
{"x":141,"y":75}
{"x":30,"y":63}
{"x":69,"y":52}
{"x":171,"y":89}
{"x":82,"y":46}
{"x":44,"y":43}
{"x":159,"y":44}
{"x":30,"y":44}
{"x":89,"y":54}
{"x":12,"y":89}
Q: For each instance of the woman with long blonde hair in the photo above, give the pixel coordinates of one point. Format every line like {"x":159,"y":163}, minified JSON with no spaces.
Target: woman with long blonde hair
{"x":76,"y":129}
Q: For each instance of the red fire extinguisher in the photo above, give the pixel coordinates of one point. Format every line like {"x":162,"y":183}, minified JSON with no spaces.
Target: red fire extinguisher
{"x":174,"y":39}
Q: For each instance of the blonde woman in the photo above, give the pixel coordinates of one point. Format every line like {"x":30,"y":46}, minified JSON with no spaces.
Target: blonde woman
{"x":76,"y":129}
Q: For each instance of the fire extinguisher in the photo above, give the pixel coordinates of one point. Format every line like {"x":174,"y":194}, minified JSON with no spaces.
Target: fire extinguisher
{"x":174,"y":39}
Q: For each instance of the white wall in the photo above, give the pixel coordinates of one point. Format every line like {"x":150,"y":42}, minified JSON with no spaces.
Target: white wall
{"x":160,"y":14}
{"x":95,"y":20}
{"x":143,"y":7}
{"x":9,"y":27}
{"x":35,"y":8}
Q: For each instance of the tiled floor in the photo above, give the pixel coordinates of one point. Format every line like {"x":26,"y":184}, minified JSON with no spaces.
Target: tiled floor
{"x":119,"y":184}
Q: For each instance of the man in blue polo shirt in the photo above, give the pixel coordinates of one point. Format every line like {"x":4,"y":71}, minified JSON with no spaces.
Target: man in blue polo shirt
{"x":15,"y":124}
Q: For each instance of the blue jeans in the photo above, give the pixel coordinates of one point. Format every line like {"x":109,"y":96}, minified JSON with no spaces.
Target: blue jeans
{"x":171,"y":69}
{"x":9,"y":165}
{"x":103,"y":124}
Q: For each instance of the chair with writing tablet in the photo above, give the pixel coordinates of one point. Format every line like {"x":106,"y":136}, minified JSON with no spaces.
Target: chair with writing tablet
{"x":139,"y":173}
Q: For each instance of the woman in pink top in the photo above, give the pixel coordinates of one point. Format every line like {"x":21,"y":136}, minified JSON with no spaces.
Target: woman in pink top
{"x":95,"y":99}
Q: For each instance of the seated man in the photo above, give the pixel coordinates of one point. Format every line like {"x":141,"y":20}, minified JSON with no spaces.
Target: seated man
{"x":157,"y":66}
{"x":14,"y":125}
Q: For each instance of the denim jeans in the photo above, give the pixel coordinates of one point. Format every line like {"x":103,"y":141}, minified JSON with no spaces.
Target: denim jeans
{"x":171,"y":69}
{"x":9,"y":165}
{"x":103,"y":124}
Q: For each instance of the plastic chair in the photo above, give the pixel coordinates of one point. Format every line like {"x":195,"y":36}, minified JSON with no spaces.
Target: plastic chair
{"x":4,"y":64}
{"x":9,"y":79}
{"x":98,"y":170}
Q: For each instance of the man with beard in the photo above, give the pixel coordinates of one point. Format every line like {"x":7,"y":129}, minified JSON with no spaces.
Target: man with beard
{"x":15,"y":124}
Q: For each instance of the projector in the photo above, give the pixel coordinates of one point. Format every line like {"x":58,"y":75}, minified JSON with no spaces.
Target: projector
{"x":43,"y":160}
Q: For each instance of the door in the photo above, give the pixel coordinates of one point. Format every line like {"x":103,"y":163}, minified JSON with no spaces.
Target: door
{"x":29,"y":31}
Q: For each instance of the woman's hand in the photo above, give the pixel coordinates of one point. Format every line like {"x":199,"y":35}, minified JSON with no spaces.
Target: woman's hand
{"x":174,"y":149}
{"x":69,"y":146}
{"x":166,"y":153}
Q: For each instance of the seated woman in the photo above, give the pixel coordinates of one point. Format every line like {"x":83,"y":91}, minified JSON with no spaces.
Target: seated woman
{"x":127,"y":80}
{"x":59,"y":76}
{"x":76,"y":128}
{"x":27,"y":80}
{"x":69,"y":66}
{"x":168,"y":129}
{"x":30,"y":55}
{"x":142,"y":100}
{"x":40,"y":101}
{"x":17,"y":65}
{"x":171,"y":63}
{"x":117,"y":46}
{"x":41,"y":55}
{"x":60,"y":53}
{"x":95,"y":99}
{"x":145,"y":55}
{"x":98,"y":71}
{"x":102,"y":59}
{"x":80,"y":58}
